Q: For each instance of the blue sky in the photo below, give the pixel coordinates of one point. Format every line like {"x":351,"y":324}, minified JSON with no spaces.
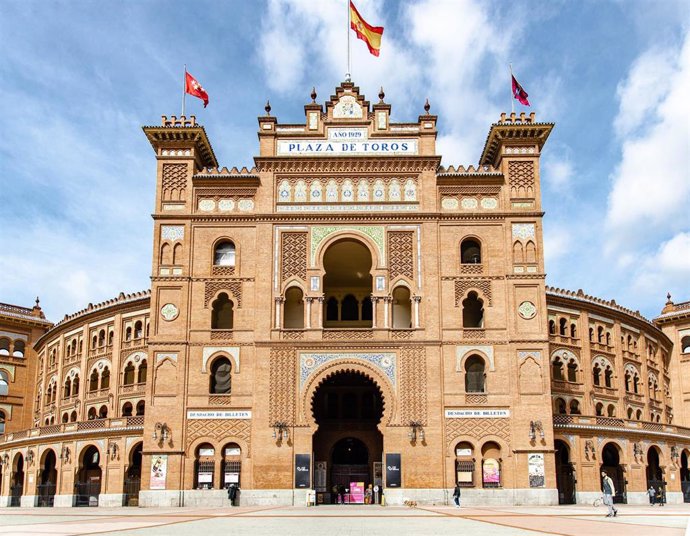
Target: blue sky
{"x":79,"y":78}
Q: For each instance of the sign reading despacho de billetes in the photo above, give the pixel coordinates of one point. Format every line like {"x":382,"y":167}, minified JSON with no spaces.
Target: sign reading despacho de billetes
{"x":219,"y":414}
{"x":478,"y":413}
{"x":347,"y":141}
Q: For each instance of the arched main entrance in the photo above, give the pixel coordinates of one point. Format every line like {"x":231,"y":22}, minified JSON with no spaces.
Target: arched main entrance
{"x":610,"y":458}
{"x":655,"y":475}
{"x":87,"y":488}
{"x":17,"y":481}
{"x":132,"y":485}
{"x":47,"y":480}
{"x":348,"y":445}
{"x":565,"y":476}
{"x":685,"y":476}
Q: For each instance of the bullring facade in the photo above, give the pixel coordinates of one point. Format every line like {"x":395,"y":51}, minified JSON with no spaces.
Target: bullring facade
{"x":348,"y":310}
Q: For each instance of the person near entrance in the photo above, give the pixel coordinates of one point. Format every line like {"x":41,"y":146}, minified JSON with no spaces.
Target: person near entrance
{"x":368,"y":494}
{"x":341,"y":494}
{"x":456,"y":495}
{"x":660,"y":496}
{"x":334,"y":498}
{"x":652,"y":495}
{"x":232,"y":493}
{"x":609,"y":492}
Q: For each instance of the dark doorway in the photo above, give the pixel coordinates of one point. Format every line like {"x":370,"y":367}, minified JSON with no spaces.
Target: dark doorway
{"x":87,"y":488}
{"x":348,"y":447}
{"x":685,"y":476}
{"x":611,"y":464}
{"x":132,"y":485}
{"x":565,"y":476}
{"x":655,"y":476}
{"x":47,"y":482}
{"x":17,"y":481}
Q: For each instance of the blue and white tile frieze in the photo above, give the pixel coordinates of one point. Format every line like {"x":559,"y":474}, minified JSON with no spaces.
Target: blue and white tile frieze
{"x":384,"y":361}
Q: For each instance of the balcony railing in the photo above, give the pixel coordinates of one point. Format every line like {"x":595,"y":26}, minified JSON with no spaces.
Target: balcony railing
{"x":133,"y":423}
{"x":562,"y":386}
{"x":101,"y":393}
{"x":133,"y":388}
{"x":564,"y":421}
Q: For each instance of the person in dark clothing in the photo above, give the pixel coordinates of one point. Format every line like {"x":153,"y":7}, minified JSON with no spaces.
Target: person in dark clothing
{"x":341,"y":494}
{"x":456,"y":495}
{"x":232,"y":493}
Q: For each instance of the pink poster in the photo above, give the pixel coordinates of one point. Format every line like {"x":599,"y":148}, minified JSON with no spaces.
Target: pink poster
{"x":357,"y":492}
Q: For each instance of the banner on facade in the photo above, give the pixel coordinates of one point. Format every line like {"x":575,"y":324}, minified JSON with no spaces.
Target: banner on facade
{"x":302,"y":470}
{"x":159,"y":471}
{"x":478,"y":413}
{"x":535,"y":469}
{"x":491,"y":471}
{"x":393,"y":479}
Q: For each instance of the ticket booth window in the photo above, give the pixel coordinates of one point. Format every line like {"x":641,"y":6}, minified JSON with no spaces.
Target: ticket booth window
{"x":232,"y":465}
{"x":464,"y":464}
{"x":205,"y":465}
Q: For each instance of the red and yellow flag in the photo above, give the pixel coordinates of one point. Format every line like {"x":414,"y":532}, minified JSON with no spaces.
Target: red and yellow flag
{"x":371,"y":35}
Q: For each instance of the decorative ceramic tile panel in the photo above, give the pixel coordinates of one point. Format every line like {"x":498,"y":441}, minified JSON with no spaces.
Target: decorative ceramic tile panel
{"x":320,"y":233}
{"x":310,"y":362}
{"x":172,"y":232}
{"x":523,"y":231}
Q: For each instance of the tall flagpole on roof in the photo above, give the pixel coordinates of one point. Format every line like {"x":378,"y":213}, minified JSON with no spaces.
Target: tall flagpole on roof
{"x":347,"y":74}
{"x":512,"y":96}
{"x":184,"y":87}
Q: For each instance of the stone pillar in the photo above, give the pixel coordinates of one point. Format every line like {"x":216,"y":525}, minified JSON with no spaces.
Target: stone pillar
{"x":416,"y":300}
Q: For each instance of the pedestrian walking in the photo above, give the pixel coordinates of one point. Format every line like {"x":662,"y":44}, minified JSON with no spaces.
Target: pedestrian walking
{"x":609,"y":492}
{"x":652,"y":495}
{"x":456,"y":495}
{"x":660,"y":497}
{"x":368,"y":494}
{"x":334,"y":497}
{"x":232,"y":493}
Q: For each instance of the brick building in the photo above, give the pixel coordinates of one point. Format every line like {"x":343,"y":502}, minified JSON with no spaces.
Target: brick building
{"x":348,"y":310}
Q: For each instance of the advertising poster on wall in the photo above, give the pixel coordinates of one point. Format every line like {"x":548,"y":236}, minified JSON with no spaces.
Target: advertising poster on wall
{"x":357,"y":492}
{"x":159,"y":471}
{"x":535,"y":470}
{"x":491,"y":472}
{"x":302,"y":470}
{"x":393,"y":479}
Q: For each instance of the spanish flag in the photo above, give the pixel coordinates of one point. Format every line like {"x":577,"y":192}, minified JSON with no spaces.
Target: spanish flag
{"x":371,"y":35}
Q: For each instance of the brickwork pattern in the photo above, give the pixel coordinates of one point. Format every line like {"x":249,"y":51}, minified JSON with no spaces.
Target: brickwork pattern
{"x":464,"y":285}
{"x":477,"y":429}
{"x":219,"y":430}
{"x":212,"y":287}
{"x":413,"y":386}
{"x":294,"y":256}
{"x":283,"y":384}
{"x":400,"y":254}
{"x":521,"y":177}
{"x":174,"y":183}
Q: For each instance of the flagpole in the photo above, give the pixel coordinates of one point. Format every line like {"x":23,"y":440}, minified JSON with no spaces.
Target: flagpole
{"x":184,"y":87}
{"x":512,"y":97}
{"x":347,"y":75}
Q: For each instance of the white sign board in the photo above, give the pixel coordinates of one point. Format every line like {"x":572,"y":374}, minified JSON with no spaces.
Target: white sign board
{"x":191,"y":414}
{"x":347,"y":141}
{"x":479,"y":413}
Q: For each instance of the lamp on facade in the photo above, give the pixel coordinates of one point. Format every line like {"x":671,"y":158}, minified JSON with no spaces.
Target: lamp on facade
{"x":416,"y":431}
{"x":161,"y":432}
{"x":281,"y":431}
{"x":534,"y":428}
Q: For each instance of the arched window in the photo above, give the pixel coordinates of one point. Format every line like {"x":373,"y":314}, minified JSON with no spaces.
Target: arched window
{"x":221,"y":376}
{"x":627,"y":381}
{"x":293,"y":310}
{"x":73,"y":416}
{"x":349,"y":309}
{"x":572,"y":371}
{"x":94,"y":341}
{"x":223,"y":313}
{"x":491,"y":465}
{"x":141,"y":407}
{"x":402,"y":308}
{"x":68,"y":388}
{"x":608,"y":338}
{"x":4,"y":383}
{"x":75,"y":386}
{"x":332,"y":309}
{"x":141,"y":374}
{"x":630,"y":413}
{"x":105,"y":378}
{"x":611,"y":410}
{"x":472,"y":311}
{"x":177,"y":254}
{"x":93,"y":381}
{"x":103,"y":412}
{"x":92,"y":414}
{"x":574,"y":407}
{"x":600,"y":335}
{"x":638,"y":415}
{"x":474,"y":375}
{"x":4,"y":347}
{"x":596,"y":374}
{"x":470,"y":252}
{"x":599,"y":409}
{"x":224,"y":255}
{"x":591,"y":334}
{"x":560,"y":406}
{"x":367,"y":309}
{"x":685,"y":344}
{"x":128,"y":378}
{"x":552,"y":327}
{"x":563,"y":327}
{"x":636,"y":384}
{"x":138,"y":329}
{"x":557,"y":368}
{"x":2,"y":422}
{"x":165,"y":254}
{"x":65,"y":418}
{"x":573,"y":331}
{"x":127,"y":409}
{"x":204,"y":466}
{"x":18,"y":349}
{"x":101,"y":338}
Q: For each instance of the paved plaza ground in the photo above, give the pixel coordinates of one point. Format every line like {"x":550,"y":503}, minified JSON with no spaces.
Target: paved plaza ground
{"x":346,"y":521}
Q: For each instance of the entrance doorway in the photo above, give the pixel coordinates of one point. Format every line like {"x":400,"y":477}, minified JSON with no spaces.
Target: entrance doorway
{"x":611,"y":464}
{"x":47,"y":480}
{"x":132,"y":485}
{"x":87,"y":488}
{"x":17,"y":481}
{"x":348,"y":445}
{"x":685,"y":476}
{"x":565,"y":476}
{"x":655,"y":476}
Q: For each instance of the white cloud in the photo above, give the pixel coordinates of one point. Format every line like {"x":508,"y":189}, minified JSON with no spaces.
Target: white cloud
{"x":557,"y":168}
{"x":674,"y":256}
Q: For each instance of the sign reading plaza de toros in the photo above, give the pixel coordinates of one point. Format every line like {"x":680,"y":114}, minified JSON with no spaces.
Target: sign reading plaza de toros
{"x":347,"y":141}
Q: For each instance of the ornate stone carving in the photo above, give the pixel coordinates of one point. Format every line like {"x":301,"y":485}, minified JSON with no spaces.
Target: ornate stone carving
{"x":220,"y":430}
{"x":174,"y":182}
{"x":293,"y":256}
{"x":413,"y":385}
{"x":383,"y":361}
{"x":477,"y":429}
{"x":400,"y":254}
{"x":212,"y":287}
{"x":521,"y":178}
{"x":463,"y":285}
{"x":283,"y":378}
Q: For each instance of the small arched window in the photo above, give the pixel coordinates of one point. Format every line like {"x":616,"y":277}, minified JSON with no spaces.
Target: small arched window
{"x":68,"y":388}
{"x":103,"y":412}
{"x":4,"y":347}
{"x":18,"y":349}
{"x":600,"y":409}
{"x":224,"y":254}
{"x":573,"y":331}
{"x":293,"y":310}
{"x":600,"y":335}
{"x":557,"y":368}
{"x":596,"y":375}
{"x":2,"y":422}
{"x":472,"y":311}
{"x":563,"y":327}
{"x":611,"y":410}
{"x":221,"y":378}
{"x":591,"y":334}
{"x":93,"y":381}
{"x":141,"y":373}
{"x":474,"y":375}
{"x":685,"y":344}
{"x":75,"y":386}
{"x":92,"y":414}
{"x":574,"y":407}
{"x":560,"y":406}
{"x":638,"y":415}
{"x":105,"y":378}
{"x":128,"y":378}
{"x":101,"y":338}
{"x":572,"y":371}
{"x":4,"y":383}
{"x":138,"y":329}
{"x":332,"y":309}
{"x":73,"y":416}
{"x":552,"y":327}
{"x":402,"y":308}
{"x":349,"y":309}
{"x":636,"y":384}
{"x":222,"y":316}
{"x":608,"y":377}
{"x":65,"y":417}
{"x":141,"y":407}
{"x":127,"y":409}
{"x":470,"y":252}
{"x":627,"y":381}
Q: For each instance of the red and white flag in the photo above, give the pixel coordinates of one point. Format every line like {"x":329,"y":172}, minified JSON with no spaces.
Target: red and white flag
{"x":192,"y":87}
{"x":519,"y":93}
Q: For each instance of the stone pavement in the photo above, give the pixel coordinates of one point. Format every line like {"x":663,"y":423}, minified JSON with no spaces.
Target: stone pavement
{"x":346,"y":521}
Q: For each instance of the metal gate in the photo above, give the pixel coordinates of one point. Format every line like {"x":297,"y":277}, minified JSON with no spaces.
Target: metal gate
{"x":130,"y":496}
{"x":46,"y":494}
{"x":16,"y":495}
{"x":86,"y":493}
{"x":685,"y":486}
{"x":565,"y":482}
